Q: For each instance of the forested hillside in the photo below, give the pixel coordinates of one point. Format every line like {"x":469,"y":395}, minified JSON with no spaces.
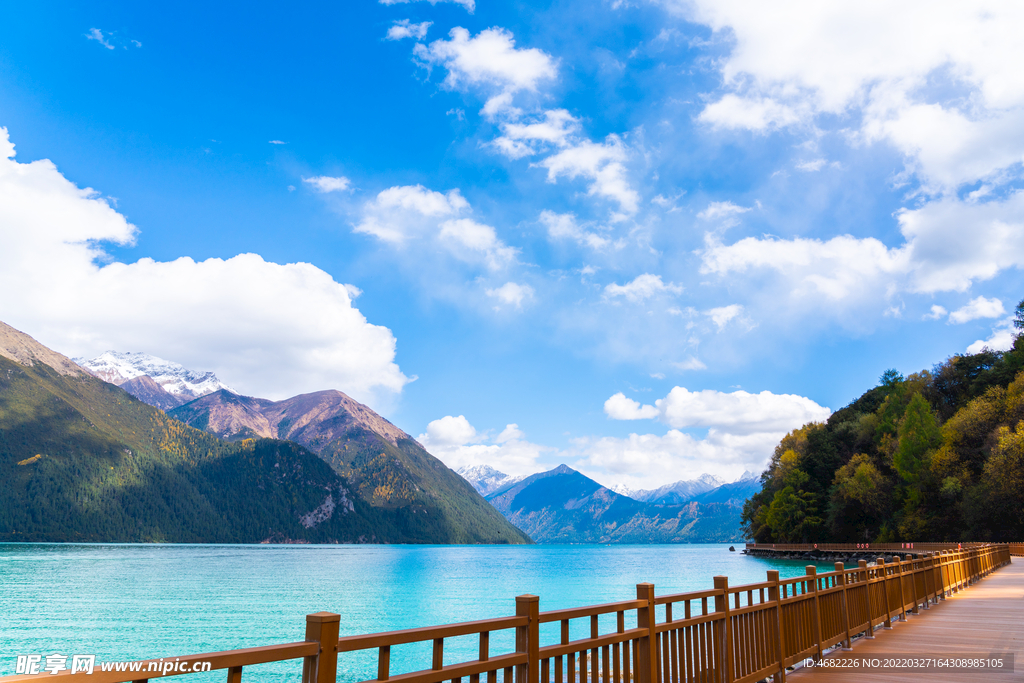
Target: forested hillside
{"x":938,"y":455}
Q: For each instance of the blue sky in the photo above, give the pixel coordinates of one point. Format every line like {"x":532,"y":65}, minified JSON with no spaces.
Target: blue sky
{"x":642,"y":238}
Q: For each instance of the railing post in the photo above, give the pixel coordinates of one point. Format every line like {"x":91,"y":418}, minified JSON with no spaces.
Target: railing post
{"x":528,"y":639}
{"x":880,"y":564}
{"x":903,"y":597}
{"x":724,"y":630}
{"x":780,"y":641}
{"x":913,"y":583}
{"x":848,"y":643}
{"x":862,"y":568}
{"x":322,"y":628}
{"x":647,"y":667}
{"x":812,"y":575}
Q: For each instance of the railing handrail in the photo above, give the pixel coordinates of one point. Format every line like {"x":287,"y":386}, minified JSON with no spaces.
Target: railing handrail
{"x":423,"y":633}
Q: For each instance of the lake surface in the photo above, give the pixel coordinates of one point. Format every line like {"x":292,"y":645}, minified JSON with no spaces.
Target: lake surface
{"x":125,"y":602}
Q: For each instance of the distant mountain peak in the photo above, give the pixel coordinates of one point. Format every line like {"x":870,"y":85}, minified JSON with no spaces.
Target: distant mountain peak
{"x":179,"y":382}
{"x":485,"y":479}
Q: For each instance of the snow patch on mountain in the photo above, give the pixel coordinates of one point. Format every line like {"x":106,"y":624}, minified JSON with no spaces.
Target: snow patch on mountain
{"x":486,"y":479}
{"x":117,"y":368}
{"x":672,"y":494}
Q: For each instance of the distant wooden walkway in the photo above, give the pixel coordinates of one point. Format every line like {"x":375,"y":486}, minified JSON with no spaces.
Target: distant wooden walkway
{"x":988,"y":618}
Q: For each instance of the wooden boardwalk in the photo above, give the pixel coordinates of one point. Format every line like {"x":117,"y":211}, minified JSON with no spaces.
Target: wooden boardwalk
{"x":985,"y":619}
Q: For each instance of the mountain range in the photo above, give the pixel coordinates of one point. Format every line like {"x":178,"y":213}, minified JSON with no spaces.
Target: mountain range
{"x":158,"y":382}
{"x":485,"y":478}
{"x":387,"y":469}
{"x":83,"y":460}
{"x":564,"y":506}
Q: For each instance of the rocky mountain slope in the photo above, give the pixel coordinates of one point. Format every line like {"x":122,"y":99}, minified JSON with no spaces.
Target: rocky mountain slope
{"x":564,"y":506}
{"x":174,"y":383}
{"x":388,"y":469}
{"x":82,"y":460}
{"x":485,"y":479}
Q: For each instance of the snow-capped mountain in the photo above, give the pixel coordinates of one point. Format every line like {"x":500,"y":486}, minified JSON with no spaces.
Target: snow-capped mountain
{"x":485,"y":479}
{"x":182,"y":384}
{"x":672,"y":494}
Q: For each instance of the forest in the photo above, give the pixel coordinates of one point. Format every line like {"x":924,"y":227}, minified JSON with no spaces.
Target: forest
{"x":934,"y":456}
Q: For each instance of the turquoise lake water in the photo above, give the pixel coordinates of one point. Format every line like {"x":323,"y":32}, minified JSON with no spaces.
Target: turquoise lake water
{"x":125,"y":602}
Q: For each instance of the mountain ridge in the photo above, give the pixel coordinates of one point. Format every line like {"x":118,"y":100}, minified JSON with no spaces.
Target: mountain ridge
{"x":562,"y":505}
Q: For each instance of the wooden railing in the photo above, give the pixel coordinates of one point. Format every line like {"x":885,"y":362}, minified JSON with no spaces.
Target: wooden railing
{"x":1017,"y":549}
{"x":729,"y":634}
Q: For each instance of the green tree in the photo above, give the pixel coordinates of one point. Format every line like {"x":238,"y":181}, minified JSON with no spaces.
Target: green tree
{"x":918,"y":433}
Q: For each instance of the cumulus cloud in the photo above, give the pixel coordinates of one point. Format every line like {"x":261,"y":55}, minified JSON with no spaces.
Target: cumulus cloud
{"x":489,"y":60}
{"x":620,"y":407}
{"x":949,"y":245}
{"x":737,"y":412}
{"x":947,"y":94}
{"x":977,"y":308}
{"x":470,"y":5}
{"x":473,"y":242}
{"x":555,"y":128}
{"x":458,"y":444}
{"x":265,"y":328}
{"x":641,"y":288}
{"x":410,"y":216}
{"x":936,"y":313}
{"x":722,"y":315}
{"x":1003,"y":336}
{"x":511,"y":294}
{"x":603,"y":164}
{"x":323,"y":183}
{"x":404,"y":29}
{"x":563,"y":226}
{"x":647,"y":461}
{"x":403,"y":212}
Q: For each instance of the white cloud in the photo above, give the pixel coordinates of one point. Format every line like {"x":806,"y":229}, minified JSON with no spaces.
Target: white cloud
{"x":647,"y":461}
{"x":403,"y":29}
{"x":470,"y":5}
{"x":737,"y":412}
{"x":458,"y":444}
{"x":1003,"y":336}
{"x":403,"y":212}
{"x":936,"y":313}
{"x":691,"y":363}
{"x":97,"y":35}
{"x":726,"y":211}
{"x":564,"y":226}
{"x":603,"y":164}
{"x":511,"y":294}
{"x":723,"y":314}
{"x":489,"y":60}
{"x":642,"y":287}
{"x":276,"y":142}
{"x":977,"y":308}
{"x":619,"y":407}
{"x":949,"y":245}
{"x":812,"y":166}
{"x":475,"y":242}
{"x":947,"y":94}
{"x":323,"y":183}
{"x":266,"y":329}
{"x":753,"y":113}
{"x":520,"y":139}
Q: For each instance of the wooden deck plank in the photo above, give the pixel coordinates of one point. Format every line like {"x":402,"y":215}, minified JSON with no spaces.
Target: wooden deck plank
{"x":986,"y":618}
